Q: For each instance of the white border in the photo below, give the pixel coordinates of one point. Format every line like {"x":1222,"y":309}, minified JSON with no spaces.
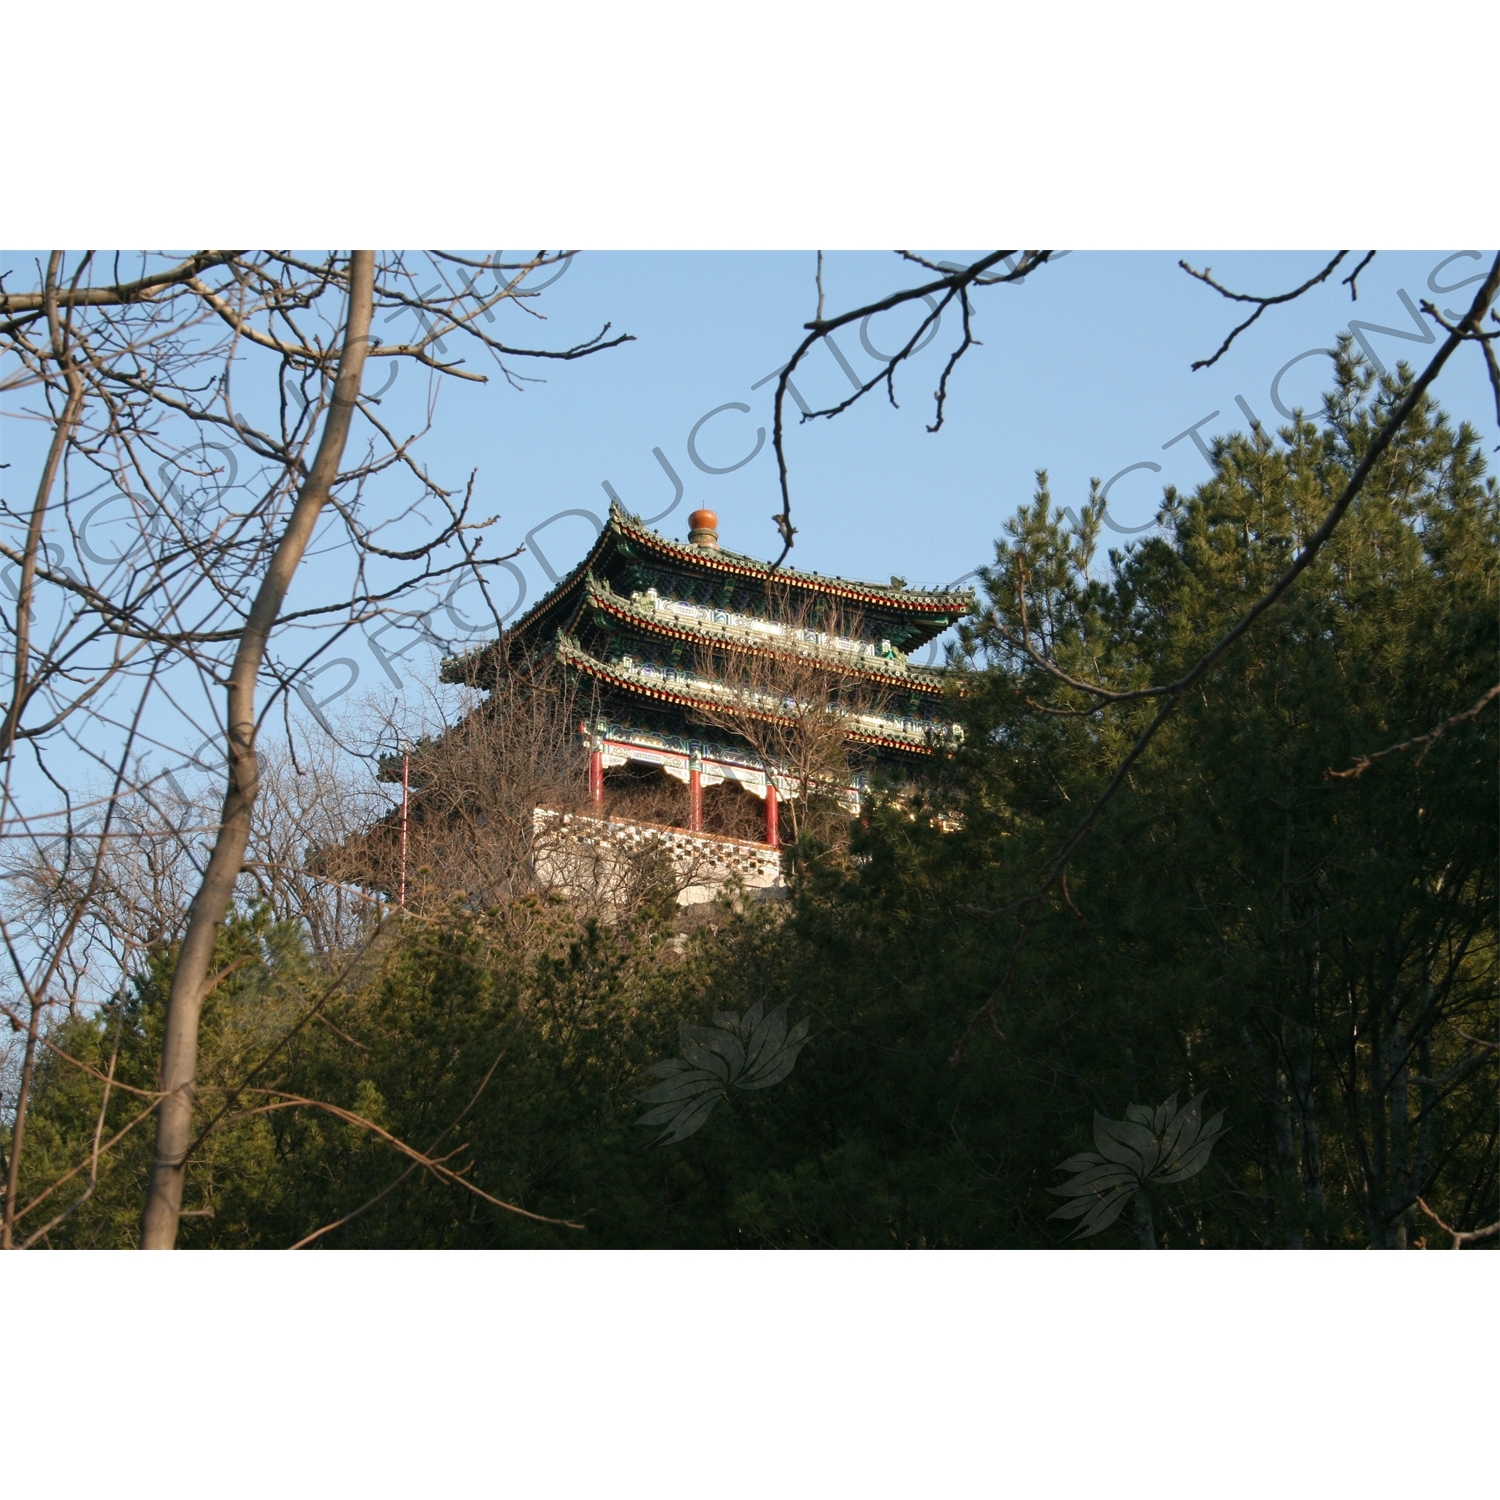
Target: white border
{"x":798,"y":123}
{"x":818,"y":1374}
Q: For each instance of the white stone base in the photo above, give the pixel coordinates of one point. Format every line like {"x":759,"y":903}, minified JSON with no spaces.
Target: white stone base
{"x":586,"y":856}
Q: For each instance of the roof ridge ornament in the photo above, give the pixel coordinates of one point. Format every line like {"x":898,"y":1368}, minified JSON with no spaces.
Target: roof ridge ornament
{"x":703,"y":529}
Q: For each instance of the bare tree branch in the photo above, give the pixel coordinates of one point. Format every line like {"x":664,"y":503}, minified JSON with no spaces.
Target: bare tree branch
{"x":950,"y":285}
{"x":1461,"y":1237}
{"x":1261,"y":303}
{"x":1427,"y":741}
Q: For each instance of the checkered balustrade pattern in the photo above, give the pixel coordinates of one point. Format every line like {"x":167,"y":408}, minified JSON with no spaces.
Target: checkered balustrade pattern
{"x":577,"y":854}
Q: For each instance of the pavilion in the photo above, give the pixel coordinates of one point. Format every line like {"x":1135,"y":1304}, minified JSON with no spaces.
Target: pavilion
{"x":644,"y":623}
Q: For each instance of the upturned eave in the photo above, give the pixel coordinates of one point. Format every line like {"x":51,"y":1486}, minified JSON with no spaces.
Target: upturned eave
{"x":898,"y":674}
{"x":575,"y":657}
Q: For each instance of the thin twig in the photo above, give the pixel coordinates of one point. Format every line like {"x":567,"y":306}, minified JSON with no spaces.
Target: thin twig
{"x":1352,"y":279}
{"x":1363,"y":763}
{"x":1262,"y":303}
{"x":280,"y":1100}
{"x":390,"y":1187}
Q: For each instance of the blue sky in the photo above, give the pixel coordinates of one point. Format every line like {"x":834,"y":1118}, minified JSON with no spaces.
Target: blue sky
{"x":1084,"y":370}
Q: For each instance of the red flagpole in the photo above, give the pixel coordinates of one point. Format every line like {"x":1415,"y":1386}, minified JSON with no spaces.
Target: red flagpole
{"x":405,"y":799}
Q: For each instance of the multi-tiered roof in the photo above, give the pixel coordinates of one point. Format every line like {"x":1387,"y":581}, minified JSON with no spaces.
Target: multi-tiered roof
{"x":641,"y":616}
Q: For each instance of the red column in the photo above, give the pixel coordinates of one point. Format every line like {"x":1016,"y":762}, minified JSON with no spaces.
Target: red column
{"x":695,"y":796}
{"x":773,"y":819}
{"x":596,"y":777}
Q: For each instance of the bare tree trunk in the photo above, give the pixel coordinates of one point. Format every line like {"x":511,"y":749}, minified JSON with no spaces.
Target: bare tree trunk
{"x":210,"y":906}
{"x":20,"y":690}
{"x":18,"y":1131}
{"x":22,"y":686}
